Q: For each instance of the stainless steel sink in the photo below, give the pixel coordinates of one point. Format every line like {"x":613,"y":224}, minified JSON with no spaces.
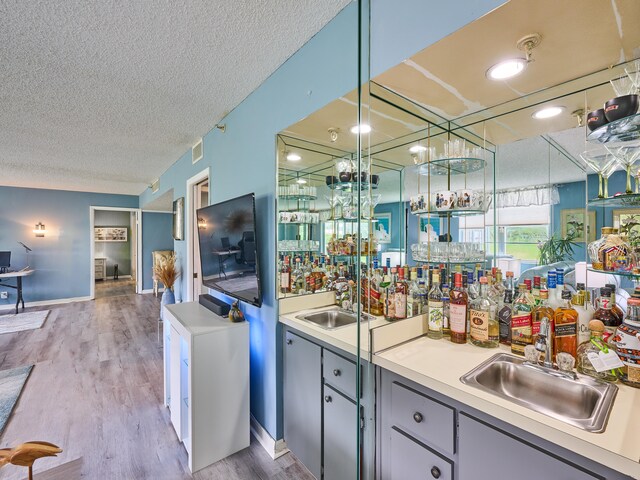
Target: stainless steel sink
{"x":331,"y":319}
{"x":583,"y":402}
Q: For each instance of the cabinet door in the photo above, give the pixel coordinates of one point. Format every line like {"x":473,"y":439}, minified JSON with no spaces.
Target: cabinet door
{"x":487,"y":454}
{"x":302,"y":401}
{"x":174,"y":378}
{"x":410,"y":460}
{"x":341,"y":426}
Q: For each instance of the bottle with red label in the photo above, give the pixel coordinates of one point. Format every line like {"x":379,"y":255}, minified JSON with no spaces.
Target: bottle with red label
{"x":458,"y":304}
{"x":605,"y":313}
{"x":521,"y":320}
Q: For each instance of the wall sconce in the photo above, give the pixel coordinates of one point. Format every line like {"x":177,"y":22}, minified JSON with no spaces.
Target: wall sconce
{"x":39,"y":230}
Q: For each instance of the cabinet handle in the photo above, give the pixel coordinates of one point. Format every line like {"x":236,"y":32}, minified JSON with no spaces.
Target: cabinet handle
{"x":435,"y":472}
{"x":289,"y":341}
{"x":336,"y":372}
{"x":327,"y":399}
{"x":417,"y":417}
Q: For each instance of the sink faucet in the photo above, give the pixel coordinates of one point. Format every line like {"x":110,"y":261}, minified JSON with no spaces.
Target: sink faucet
{"x":543,"y":343}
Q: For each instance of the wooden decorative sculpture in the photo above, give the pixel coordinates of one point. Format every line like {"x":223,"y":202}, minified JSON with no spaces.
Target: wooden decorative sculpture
{"x":27,"y":453}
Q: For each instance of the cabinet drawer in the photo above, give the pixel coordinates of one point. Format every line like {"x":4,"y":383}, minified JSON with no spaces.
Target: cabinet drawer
{"x":423,"y":418}
{"x":340,"y":373}
{"x":411,"y":460}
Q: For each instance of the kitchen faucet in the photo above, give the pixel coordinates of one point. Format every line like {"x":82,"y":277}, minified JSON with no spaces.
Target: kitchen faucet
{"x":543,"y":343}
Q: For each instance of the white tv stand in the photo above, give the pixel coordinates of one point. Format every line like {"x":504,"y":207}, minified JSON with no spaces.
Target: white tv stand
{"x":206,"y":382}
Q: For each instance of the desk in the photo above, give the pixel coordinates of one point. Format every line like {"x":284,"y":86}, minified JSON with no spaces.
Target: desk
{"x":223,"y":256}
{"x":18,"y":276}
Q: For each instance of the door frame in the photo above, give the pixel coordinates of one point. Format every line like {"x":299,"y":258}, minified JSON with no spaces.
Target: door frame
{"x":92,"y":249}
{"x":192,"y":182}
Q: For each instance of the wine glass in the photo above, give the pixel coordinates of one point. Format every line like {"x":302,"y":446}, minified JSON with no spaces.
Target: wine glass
{"x":604,"y":164}
{"x":623,"y":85}
{"x":333,"y":200}
{"x":627,"y":156}
{"x":633,"y":72}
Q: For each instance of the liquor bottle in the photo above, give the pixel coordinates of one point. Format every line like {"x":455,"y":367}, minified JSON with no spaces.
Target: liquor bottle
{"x":413,"y":298}
{"x":375,"y":307}
{"x":499,"y":287}
{"x":390,"y":303}
{"x":521,"y":321}
{"x":585,"y":314}
{"x":423,"y":292}
{"x":435,"y":308}
{"x":615,"y":308}
{"x":483,"y":328}
{"x":552,"y":283}
{"x":446,"y":311}
{"x":593,"y":346}
{"x":504,"y":313}
{"x":474,"y":288}
{"x":606,"y":314}
{"x":285,"y":276}
{"x":401,"y":292}
{"x":627,"y":341}
{"x":536,"y":289}
{"x":540,"y":312}
{"x":458,"y":304}
{"x":566,"y":323}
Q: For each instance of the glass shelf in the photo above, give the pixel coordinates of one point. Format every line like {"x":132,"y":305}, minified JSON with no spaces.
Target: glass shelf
{"x":451,"y":262}
{"x":623,"y":130}
{"x":351,"y":186}
{"x":634,"y":276}
{"x":631,"y":200}
{"x":298,"y":197}
{"x":351,"y":220}
{"x":297,"y":223}
{"x":449,"y":213}
{"x":453,"y":166}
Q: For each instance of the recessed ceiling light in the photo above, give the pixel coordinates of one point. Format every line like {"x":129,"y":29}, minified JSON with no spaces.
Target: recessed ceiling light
{"x":301,"y":181}
{"x":507,"y":69}
{"x":362,"y":128}
{"x":293,"y":157}
{"x":547,"y":112}
{"x":418,"y":149}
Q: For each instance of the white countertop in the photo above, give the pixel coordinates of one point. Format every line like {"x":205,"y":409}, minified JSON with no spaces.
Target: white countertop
{"x":195,"y":319}
{"x":439,"y":364}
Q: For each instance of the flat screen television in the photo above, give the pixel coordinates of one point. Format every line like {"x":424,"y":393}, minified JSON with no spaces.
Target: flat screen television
{"x":228,"y":248}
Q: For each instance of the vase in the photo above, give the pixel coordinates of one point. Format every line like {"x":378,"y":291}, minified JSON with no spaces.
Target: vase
{"x":235,"y":314}
{"x":168,"y":298}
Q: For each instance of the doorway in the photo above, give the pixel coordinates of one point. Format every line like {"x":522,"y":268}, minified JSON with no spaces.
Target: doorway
{"x":115,"y":252}
{"x":198,"y":188}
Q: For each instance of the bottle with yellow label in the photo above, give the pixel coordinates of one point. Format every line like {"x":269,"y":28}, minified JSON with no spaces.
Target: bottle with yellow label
{"x":484,"y":330}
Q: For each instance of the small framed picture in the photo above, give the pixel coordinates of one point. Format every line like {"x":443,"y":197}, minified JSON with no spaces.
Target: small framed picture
{"x":573,"y":225}
{"x":383,"y":227}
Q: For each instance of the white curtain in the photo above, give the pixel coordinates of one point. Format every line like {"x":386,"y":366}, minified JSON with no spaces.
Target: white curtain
{"x":524,"y":197}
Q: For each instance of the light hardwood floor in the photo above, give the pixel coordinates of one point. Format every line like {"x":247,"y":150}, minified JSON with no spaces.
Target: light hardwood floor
{"x":115,"y":288}
{"x":96,"y":391}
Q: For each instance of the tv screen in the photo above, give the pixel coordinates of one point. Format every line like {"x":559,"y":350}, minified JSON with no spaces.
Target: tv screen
{"x":228,"y":248}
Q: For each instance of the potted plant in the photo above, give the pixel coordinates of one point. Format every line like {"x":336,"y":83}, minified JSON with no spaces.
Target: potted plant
{"x":556,"y":249}
{"x":167,"y":273}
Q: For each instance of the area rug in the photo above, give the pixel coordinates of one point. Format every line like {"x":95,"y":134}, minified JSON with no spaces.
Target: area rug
{"x":22,"y":321}
{"x":11,"y":384}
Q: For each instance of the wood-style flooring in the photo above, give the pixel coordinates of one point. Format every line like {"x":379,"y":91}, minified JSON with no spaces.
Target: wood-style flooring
{"x":96,"y":391}
{"x":115,"y":288}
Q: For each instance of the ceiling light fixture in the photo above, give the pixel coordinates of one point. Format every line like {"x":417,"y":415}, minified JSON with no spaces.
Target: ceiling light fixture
{"x":514,"y":66}
{"x":507,"y":69}
{"x":301,"y":181}
{"x":293,"y":157}
{"x":362,"y":128}
{"x":547,"y":112}
{"x":418,"y":149}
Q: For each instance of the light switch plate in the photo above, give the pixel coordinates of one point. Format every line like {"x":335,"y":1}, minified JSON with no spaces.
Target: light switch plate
{"x":4,"y":295}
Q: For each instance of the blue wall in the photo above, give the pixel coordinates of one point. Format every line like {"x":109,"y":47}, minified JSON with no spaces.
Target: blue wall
{"x":62,"y":258}
{"x":157,"y":234}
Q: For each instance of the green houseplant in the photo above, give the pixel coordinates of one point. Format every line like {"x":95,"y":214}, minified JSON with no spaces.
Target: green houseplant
{"x":556,"y":249}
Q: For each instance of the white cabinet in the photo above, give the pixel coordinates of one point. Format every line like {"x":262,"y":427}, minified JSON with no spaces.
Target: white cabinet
{"x":100,"y":268}
{"x":206,"y":382}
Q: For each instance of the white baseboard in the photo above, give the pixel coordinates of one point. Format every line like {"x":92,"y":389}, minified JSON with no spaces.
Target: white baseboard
{"x":275,"y":448}
{"x":40,"y":303}
{"x":150,"y":290}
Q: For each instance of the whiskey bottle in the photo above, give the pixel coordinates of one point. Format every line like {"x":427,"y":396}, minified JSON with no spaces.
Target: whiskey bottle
{"x":390,"y":302}
{"x":521,"y":321}
{"x":458,"y":304}
{"x":606,"y":314}
{"x":483,"y":327}
{"x":566,"y":322}
{"x":401,"y":291}
{"x":435,"y":308}
{"x":504,"y":311}
{"x":285,"y":276}
{"x":446,"y":310}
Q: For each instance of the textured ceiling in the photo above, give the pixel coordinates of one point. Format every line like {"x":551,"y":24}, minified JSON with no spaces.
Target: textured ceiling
{"x":104,"y":96}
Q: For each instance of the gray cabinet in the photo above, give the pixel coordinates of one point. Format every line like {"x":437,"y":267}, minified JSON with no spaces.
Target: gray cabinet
{"x":484,"y":450}
{"x":423,"y":434}
{"x":303,"y":401}
{"x":340,"y":434}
